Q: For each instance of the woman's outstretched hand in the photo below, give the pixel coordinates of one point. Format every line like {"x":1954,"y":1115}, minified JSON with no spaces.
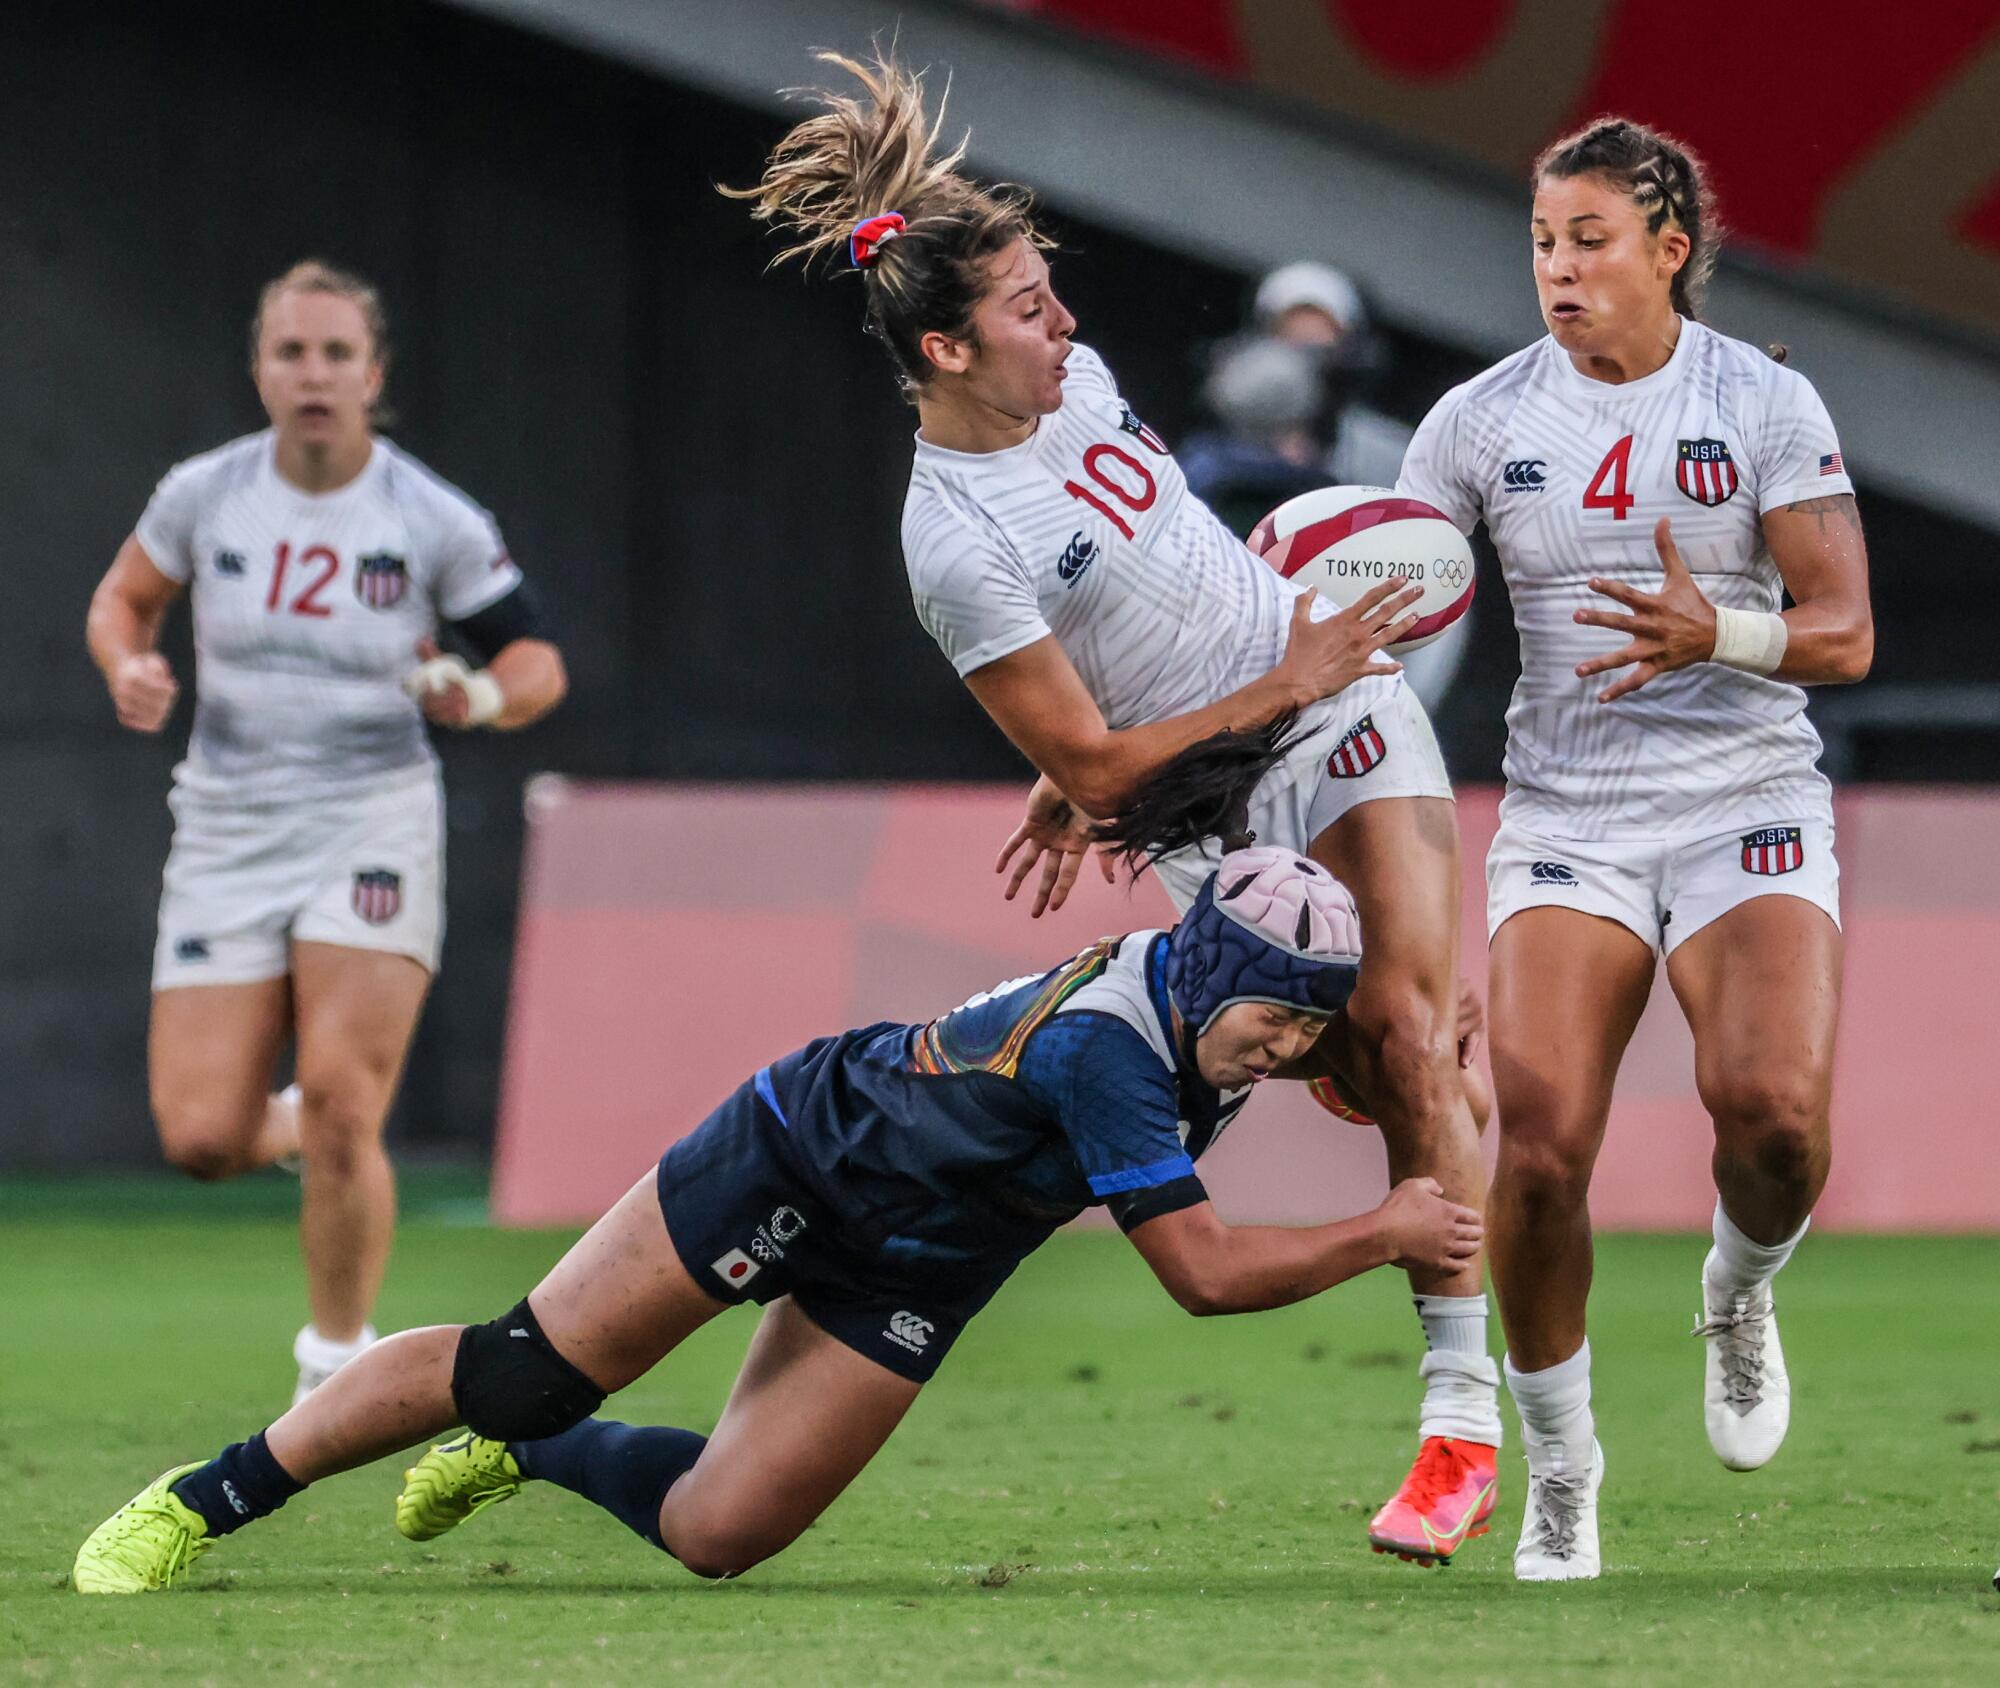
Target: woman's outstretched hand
{"x":1668,"y":629}
{"x":1056,"y":834}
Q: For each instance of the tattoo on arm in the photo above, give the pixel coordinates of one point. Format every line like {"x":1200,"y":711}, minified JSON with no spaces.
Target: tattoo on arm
{"x":1838,"y":512}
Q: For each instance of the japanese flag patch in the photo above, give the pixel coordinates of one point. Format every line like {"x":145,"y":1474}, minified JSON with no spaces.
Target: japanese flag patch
{"x":735,"y":1268}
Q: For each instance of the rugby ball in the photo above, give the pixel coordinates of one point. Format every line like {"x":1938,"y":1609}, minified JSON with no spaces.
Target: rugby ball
{"x":1345,"y":539}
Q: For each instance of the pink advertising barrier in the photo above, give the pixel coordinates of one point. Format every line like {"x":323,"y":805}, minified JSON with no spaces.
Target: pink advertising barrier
{"x":673,"y":938}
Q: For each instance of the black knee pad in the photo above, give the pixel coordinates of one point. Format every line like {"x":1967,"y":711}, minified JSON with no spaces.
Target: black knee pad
{"x":511,"y":1385}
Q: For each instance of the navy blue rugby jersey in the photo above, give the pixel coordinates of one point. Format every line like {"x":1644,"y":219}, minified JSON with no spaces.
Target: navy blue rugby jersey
{"x":979,"y":1133}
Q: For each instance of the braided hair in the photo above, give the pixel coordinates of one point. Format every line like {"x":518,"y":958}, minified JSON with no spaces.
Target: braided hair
{"x":1666,"y":181}
{"x":869,"y":177}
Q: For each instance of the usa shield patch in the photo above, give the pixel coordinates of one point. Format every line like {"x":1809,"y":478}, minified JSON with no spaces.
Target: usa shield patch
{"x":1360,"y":748}
{"x":1131,"y":424}
{"x":377,"y":895}
{"x":1705,"y":472}
{"x":380,"y":580}
{"x":1774,"y":849}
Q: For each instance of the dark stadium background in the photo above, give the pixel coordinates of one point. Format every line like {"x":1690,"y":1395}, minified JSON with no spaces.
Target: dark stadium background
{"x":701,"y":465}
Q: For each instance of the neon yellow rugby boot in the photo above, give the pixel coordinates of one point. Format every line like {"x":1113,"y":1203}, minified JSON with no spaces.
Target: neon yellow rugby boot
{"x":452,"y":1482}
{"x":148,"y":1543}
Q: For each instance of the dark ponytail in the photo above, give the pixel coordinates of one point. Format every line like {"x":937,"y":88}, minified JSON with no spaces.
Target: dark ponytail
{"x":1202,"y":793}
{"x":1664,"y":179}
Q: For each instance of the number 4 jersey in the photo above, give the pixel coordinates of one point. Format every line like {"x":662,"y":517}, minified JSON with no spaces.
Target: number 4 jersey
{"x":1571,"y":476}
{"x":1087,"y":531}
{"x":308,"y":609}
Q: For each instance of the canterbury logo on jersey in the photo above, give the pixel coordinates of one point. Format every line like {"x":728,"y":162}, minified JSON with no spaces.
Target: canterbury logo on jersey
{"x":1359,"y":749}
{"x":1080,"y":555}
{"x":1524,"y":474}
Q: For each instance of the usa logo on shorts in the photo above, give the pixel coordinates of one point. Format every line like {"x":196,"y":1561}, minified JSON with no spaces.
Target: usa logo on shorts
{"x":1705,"y":472}
{"x":1359,"y":749}
{"x":380,"y":580}
{"x":378,"y":895}
{"x":1774,"y":849}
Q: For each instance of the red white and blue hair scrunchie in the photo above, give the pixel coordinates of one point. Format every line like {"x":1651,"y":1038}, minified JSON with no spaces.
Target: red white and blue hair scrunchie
{"x":870,"y":235}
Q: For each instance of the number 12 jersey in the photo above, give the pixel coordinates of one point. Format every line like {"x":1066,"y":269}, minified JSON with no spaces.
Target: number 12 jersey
{"x":308,"y":609}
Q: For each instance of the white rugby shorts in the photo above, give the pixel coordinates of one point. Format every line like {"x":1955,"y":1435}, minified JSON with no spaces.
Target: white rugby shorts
{"x":243,"y":882}
{"x":1381,"y":746}
{"x":1664,"y":892}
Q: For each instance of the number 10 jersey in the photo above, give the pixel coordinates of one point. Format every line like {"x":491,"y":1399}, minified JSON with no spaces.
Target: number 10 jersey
{"x":1087,"y":531}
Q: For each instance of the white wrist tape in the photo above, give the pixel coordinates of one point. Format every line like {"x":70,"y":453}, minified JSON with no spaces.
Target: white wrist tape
{"x":1752,"y":640}
{"x":483,"y":698}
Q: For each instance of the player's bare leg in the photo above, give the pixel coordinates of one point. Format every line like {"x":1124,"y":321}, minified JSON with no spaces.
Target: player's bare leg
{"x":210,"y":1053}
{"x":1567,"y":990}
{"x":1760,"y":986}
{"x":618,"y":1301}
{"x":1399,"y":858}
{"x":356,"y":1010}
{"x":807,"y":1413}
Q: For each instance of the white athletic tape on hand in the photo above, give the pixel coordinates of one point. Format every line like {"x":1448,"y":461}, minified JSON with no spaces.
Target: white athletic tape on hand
{"x":1752,"y":640}
{"x":483,"y":697}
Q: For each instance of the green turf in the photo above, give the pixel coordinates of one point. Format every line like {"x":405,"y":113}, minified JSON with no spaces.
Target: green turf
{"x":1097,"y":1490}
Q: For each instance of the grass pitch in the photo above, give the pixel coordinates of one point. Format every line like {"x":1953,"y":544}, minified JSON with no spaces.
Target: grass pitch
{"x":1097,"y":1489}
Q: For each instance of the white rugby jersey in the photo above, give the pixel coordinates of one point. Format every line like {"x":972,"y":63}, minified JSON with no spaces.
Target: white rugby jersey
{"x":1571,"y":476}
{"x":307,"y":613}
{"x":1087,"y":531}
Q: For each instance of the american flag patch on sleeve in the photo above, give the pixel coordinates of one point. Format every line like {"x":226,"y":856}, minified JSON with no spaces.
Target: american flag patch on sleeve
{"x":1831,"y":464}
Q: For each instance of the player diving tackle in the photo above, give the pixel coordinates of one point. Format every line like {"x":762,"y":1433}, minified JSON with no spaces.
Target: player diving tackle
{"x":872,"y":1191}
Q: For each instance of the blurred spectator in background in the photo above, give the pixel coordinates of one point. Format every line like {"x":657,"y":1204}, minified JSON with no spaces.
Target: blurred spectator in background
{"x":1317,"y":309}
{"x":1265,"y":396}
{"x":1289,"y":396}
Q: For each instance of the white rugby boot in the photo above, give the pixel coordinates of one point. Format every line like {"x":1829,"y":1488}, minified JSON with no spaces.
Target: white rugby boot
{"x":1746,"y":1392}
{"x":319,"y":1359}
{"x":1559,"y":1534}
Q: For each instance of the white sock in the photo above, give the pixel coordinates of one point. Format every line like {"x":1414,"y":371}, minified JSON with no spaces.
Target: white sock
{"x":1453,"y":1324}
{"x":1554,"y":1403}
{"x":322,"y":1353}
{"x":1461,"y":1383}
{"x":1739,"y":1265}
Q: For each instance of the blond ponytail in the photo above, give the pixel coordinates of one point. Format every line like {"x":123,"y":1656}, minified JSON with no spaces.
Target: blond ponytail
{"x":864,"y":156}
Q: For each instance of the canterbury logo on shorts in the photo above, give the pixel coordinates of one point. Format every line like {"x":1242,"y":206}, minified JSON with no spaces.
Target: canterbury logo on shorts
{"x":1774,"y":849}
{"x":1360,"y":748}
{"x":908,"y":1330}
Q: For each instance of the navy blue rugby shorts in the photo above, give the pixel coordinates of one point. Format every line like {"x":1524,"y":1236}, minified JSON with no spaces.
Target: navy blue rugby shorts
{"x":748,"y":1227}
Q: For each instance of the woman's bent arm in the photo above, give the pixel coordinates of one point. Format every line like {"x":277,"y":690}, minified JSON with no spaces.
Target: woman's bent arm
{"x":1209,"y":1267}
